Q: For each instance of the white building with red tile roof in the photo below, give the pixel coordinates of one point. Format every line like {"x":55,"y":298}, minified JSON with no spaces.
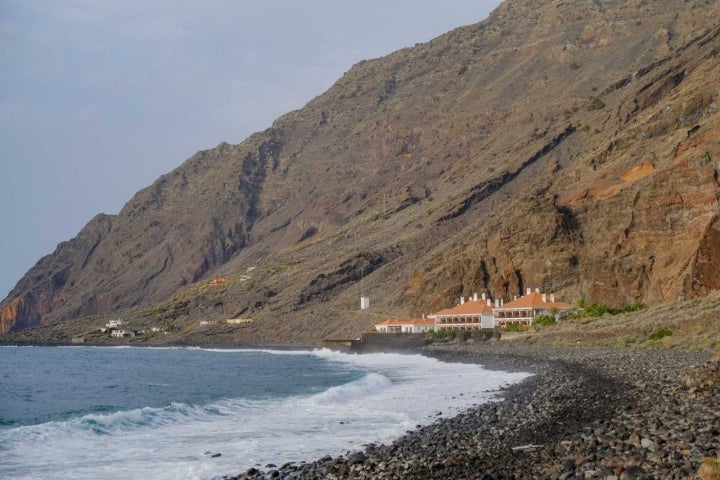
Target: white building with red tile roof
{"x":524,"y":309}
{"x":468,"y":315}
{"x":405,"y":325}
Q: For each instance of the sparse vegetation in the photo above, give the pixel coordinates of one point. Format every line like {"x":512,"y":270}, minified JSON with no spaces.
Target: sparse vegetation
{"x":441,"y":334}
{"x":545,"y":320}
{"x":710,"y":469}
{"x":514,"y":327}
{"x":596,"y":104}
{"x":597,"y":309}
{"x":661,"y":333}
{"x":167,"y":326}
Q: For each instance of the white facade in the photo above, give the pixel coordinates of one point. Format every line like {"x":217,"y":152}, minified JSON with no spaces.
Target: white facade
{"x":122,"y":333}
{"x":414,"y":325}
{"x":487,"y":320}
{"x":364,"y":303}
{"x":235,"y":321}
{"x":418,"y":328}
{"x":525,"y":309}
{"x":473,"y":314}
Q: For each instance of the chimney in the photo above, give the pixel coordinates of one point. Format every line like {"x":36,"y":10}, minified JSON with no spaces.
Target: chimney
{"x":552,"y":298}
{"x":502,"y":302}
{"x":497,"y":303}
{"x":544,"y":297}
{"x":462,"y":300}
{"x":474,"y":297}
{"x":514,"y":297}
{"x":528,"y":291}
{"x":484,"y":296}
{"x":489,"y":303}
{"x":537,"y":290}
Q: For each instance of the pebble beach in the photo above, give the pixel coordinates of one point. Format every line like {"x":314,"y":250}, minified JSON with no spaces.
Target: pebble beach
{"x":586,"y":413}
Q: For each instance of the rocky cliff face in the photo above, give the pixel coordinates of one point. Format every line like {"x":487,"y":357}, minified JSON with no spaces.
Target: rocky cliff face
{"x":572,"y":146}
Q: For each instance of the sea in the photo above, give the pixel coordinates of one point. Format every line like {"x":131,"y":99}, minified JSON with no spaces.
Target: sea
{"x":196,"y":413}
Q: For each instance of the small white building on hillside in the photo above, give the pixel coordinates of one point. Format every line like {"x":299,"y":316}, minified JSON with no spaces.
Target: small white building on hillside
{"x":237,"y":321}
{"x":122,"y":333}
{"x":364,"y":303}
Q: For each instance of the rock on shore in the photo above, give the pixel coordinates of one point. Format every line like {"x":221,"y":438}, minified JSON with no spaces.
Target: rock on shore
{"x":588,"y":413}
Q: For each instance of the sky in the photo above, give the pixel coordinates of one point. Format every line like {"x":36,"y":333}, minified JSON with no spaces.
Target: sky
{"x":100,"y":98}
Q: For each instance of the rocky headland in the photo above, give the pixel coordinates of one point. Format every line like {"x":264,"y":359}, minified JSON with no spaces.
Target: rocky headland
{"x":586,"y":413}
{"x":568,"y":145}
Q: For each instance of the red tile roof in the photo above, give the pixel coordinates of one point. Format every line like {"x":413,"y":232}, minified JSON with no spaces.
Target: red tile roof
{"x":534,"y":300}
{"x":471,"y":307}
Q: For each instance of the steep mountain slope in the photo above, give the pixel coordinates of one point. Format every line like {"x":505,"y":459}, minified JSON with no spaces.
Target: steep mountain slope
{"x":572,"y":145}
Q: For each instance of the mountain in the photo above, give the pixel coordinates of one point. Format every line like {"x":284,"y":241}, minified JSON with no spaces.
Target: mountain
{"x":572,"y":146}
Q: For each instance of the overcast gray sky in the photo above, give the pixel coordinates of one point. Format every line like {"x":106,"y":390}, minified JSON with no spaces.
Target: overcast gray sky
{"x":99,"y":98}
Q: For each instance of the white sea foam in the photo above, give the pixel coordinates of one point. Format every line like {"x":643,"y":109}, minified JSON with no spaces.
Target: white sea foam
{"x":398,"y":393}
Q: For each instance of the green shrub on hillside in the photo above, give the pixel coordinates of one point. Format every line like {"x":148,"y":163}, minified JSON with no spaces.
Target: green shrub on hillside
{"x":597,"y":309}
{"x":167,"y":325}
{"x":440,"y":334}
{"x":590,"y":309}
{"x":632,"y":307}
{"x":596,"y":104}
{"x":658,"y":334}
{"x":544,"y":320}
{"x":514,"y":327}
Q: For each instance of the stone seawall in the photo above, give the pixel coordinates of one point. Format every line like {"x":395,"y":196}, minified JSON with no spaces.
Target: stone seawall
{"x":388,"y":342}
{"x":392,"y":342}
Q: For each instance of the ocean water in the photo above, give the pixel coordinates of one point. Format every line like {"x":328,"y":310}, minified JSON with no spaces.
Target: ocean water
{"x":122,"y":413}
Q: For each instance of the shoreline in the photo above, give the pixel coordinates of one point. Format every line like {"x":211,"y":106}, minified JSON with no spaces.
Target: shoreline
{"x":586,"y":412}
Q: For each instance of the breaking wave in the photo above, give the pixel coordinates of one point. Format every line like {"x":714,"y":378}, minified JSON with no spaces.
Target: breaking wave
{"x":182,"y":439}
